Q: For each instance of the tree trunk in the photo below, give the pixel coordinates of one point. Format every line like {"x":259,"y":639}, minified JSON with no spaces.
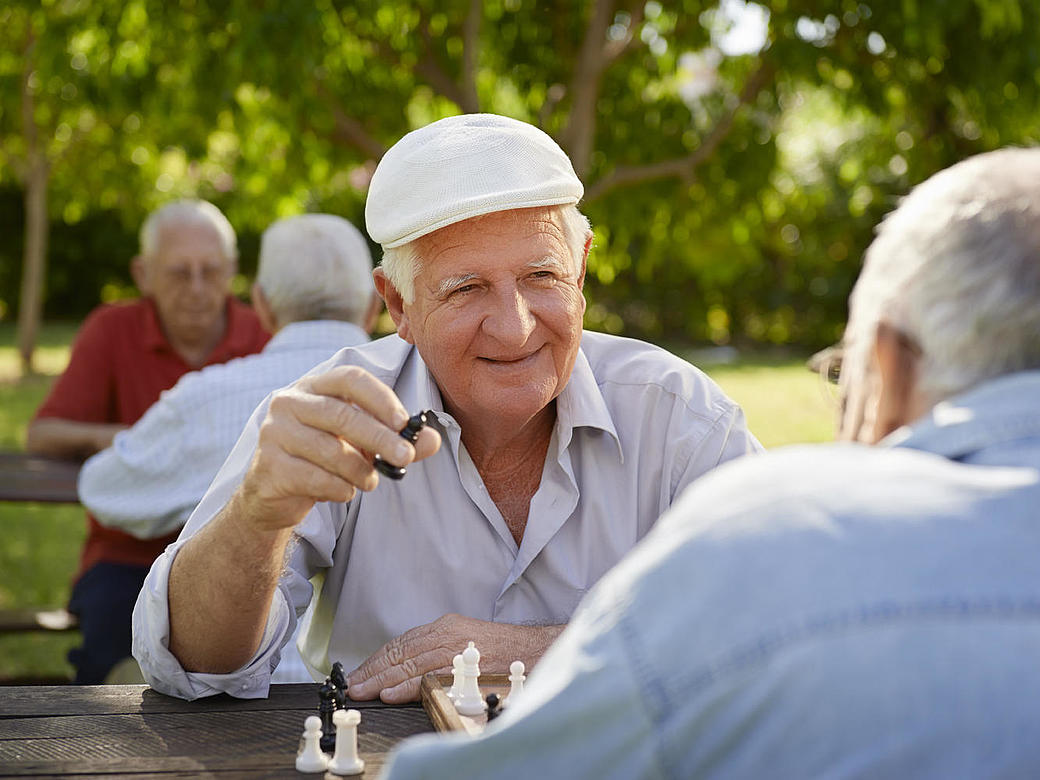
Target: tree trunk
{"x":34,"y":251}
{"x":34,"y":262}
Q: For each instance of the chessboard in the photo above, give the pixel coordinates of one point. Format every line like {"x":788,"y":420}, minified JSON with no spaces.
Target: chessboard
{"x":442,"y":712}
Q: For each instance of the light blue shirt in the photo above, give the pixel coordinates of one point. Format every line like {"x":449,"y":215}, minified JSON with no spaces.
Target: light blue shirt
{"x":151,"y":478}
{"x":635,"y":425}
{"x":829,"y":611}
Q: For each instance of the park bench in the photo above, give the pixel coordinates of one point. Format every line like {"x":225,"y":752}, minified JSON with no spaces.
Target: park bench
{"x":25,"y":477}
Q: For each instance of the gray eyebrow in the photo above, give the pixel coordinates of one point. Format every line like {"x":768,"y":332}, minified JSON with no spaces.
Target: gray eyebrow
{"x":451,"y":282}
{"x":546,"y":262}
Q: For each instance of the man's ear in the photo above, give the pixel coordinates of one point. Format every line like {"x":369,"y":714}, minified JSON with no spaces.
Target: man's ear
{"x":139,"y":273}
{"x":898,"y":402}
{"x":584,"y":262}
{"x":263,"y":309}
{"x":394,"y":303}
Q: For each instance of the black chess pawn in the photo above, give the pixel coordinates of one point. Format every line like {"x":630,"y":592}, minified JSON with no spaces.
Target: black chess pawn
{"x":494,"y":706}
{"x":411,"y":432}
{"x":327,"y":706}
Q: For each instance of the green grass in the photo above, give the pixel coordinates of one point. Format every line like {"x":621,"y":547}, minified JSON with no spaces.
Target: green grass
{"x":785,"y":403}
{"x":40,"y":545}
{"x":39,"y":548}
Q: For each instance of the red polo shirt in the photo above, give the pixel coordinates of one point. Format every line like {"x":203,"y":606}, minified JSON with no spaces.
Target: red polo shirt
{"x":120,"y":363}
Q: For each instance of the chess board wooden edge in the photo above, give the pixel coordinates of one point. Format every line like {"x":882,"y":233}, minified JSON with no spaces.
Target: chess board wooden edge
{"x":443,"y":715}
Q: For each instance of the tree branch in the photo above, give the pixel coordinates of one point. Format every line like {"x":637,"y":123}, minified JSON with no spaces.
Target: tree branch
{"x":577,"y":136}
{"x":685,"y":166}
{"x":433,"y":74}
{"x":471,"y":52}
{"x":348,"y":131}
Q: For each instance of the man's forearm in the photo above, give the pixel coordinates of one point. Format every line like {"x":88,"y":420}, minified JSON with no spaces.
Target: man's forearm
{"x":221,"y":586}
{"x":69,"y":438}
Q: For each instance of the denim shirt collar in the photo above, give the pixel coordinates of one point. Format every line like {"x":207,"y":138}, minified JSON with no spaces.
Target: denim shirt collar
{"x":997,"y":411}
{"x":328,"y":335}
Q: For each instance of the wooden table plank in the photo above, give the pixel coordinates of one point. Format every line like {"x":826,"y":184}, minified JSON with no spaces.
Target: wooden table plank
{"x":25,"y":477}
{"x":131,"y":731}
{"x":31,"y":700}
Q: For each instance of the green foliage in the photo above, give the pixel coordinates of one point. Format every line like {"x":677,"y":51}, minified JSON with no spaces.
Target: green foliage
{"x":723,"y":212}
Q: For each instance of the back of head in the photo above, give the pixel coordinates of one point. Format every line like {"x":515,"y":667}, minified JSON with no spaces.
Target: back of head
{"x":957,"y":268}
{"x":186,"y":213}
{"x":315,"y":267}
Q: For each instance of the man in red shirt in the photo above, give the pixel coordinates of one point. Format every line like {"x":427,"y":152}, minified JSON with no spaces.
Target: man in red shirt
{"x":124,"y":356}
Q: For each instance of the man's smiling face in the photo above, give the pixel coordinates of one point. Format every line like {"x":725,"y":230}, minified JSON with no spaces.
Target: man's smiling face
{"x":497,"y":313}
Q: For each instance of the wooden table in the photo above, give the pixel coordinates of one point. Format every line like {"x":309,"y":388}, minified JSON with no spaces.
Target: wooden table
{"x":25,"y":477}
{"x":132,"y":731}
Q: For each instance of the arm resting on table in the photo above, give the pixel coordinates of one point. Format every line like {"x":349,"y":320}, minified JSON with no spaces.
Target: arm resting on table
{"x":64,"y":438}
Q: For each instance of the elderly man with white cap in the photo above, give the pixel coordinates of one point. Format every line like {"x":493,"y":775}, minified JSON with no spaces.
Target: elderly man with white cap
{"x":560,"y":448}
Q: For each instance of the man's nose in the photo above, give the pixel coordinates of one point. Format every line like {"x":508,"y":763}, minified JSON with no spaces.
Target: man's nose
{"x":510,"y":319}
{"x":197,"y":280}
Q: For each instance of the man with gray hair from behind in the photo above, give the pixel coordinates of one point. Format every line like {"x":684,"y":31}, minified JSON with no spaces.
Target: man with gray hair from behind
{"x":314,"y":291}
{"x":839,"y":610}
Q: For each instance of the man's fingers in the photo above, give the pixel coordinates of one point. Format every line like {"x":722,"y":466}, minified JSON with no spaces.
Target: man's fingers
{"x":345,"y":420}
{"x":429,"y":442}
{"x":305,"y":478}
{"x":408,"y":656}
{"x":353,"y":384}
{"x":407,"y":691}
{"x":328,"y":453}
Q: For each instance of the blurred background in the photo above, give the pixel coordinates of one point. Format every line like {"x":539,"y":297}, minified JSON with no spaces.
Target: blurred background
{"x":736,"y":157}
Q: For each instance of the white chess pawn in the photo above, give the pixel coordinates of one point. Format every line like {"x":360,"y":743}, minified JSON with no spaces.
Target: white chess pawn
{"x":516,"y":681}
{"x":469,"y":701}
{"x":345,"y":760}
{"x":311,"y":759}
{"x":456,"y":677}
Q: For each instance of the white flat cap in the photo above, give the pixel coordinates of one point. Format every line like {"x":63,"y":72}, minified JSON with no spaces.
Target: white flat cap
{"x":462,"y":167}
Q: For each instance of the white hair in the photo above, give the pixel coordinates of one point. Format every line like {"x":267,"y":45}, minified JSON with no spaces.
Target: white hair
{"x":187,"y":212}
{"x":957,"y":268}
{"x":315,"y":267}
{"x":402,"y":264}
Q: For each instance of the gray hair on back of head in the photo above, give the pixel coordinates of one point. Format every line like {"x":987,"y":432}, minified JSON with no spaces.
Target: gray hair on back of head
{"x":957,"y":268}
{"x":315,"y":267}
{"x":402,"y":264}
{"x":187,"y":212}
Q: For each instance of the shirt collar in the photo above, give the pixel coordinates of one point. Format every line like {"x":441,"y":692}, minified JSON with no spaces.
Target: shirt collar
{"x":998,"y":411}
{"x":329,"y":335}
{"x":579,"y":405}
{"x":238,"y":339}
{"x":151,"y":331}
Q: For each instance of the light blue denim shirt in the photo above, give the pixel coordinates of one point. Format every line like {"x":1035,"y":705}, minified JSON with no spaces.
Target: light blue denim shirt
{"x":827,"y":611}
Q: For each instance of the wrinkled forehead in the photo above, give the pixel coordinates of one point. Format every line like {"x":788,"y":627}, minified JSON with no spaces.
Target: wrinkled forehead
{"x":188,"y":239}
{"x":533,"y":235}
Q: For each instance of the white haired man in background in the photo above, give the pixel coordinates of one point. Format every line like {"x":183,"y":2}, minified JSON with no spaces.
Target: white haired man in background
{"x":562,"y":447}
{"x":123,"y":357}
{"x":838,"y":610}
{"x":314,"y":291}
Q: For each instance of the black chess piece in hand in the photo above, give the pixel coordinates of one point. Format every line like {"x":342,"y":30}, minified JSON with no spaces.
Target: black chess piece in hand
{"x":411,"y":432}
